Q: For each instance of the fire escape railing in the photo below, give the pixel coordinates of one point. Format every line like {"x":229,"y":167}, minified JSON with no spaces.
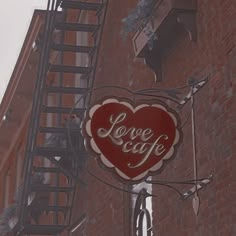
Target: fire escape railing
{"x":51,"y":169}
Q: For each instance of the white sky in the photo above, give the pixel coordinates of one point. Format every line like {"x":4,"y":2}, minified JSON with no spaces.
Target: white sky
{"x":15,"y":17}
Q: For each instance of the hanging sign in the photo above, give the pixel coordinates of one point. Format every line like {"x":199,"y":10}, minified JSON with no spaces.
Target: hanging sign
{"x":132,"y":140}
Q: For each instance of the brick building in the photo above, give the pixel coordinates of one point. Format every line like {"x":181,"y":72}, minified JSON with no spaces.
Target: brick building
{"x":193,"y":45}
{"x":14,"y":112}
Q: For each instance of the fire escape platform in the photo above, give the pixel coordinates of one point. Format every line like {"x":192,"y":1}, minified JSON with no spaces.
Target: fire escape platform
{"x":76,"y":27}
{"x":72,"y":48}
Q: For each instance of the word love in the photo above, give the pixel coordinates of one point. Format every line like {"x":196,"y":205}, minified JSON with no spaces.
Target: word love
{"x":119,"y":134}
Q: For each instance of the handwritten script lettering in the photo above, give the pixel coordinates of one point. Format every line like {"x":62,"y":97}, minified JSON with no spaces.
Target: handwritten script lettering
{"x":139,"y":139}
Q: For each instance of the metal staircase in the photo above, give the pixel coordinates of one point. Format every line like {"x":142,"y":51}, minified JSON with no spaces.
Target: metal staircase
{"x":55,"y":154}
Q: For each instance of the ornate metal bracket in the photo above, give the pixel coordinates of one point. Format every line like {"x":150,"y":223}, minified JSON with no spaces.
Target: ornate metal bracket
{"x":172,"y":95}
{"x":153,"y":61}
{"x":189,"y":22}
{"x":200,"y":185}
{"x":196,"y":86}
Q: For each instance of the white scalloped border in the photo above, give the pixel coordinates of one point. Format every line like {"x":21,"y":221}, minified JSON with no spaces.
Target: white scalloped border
{"x":106,"y":162}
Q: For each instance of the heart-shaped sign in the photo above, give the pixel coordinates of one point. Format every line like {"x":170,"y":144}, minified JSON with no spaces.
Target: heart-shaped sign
{"x":133,"y":140}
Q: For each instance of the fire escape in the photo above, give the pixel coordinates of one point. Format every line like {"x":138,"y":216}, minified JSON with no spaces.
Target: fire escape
{"x":54,"y":152}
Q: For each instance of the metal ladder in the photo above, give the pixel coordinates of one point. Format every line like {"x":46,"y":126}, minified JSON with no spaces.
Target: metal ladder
{"x":55,"y":154}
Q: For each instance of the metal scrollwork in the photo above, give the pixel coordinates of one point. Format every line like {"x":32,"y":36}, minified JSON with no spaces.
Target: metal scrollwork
{"x":142,"y":214}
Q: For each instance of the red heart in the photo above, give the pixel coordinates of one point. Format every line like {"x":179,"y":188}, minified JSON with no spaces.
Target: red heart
{"x":134,"y":141}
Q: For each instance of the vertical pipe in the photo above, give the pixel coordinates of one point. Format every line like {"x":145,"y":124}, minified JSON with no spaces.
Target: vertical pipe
{"x":193,"y":135}
{"x":196,"y":197}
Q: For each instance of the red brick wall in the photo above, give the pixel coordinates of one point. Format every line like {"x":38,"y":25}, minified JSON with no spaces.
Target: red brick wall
{"x":212,"y":56}
{"x":10,"y":164}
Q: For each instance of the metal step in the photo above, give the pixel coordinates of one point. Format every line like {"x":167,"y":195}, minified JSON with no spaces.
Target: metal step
{"x":56,"y":208}
{"x":56,"y":151}
{"x":52,"y":151}
{"x":68,"y":90}
{"x":59,"y":130}
{"x":89,"y":6}
{"x":46,"y":188}
{"x":43,"y":169}
{"x":43,"y":229}
{"x":72,"y":48}
{"x":70,"y":69}
{"x":76,"y":27}
{"x":59,"y":169}
{"x":63,"y":110}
